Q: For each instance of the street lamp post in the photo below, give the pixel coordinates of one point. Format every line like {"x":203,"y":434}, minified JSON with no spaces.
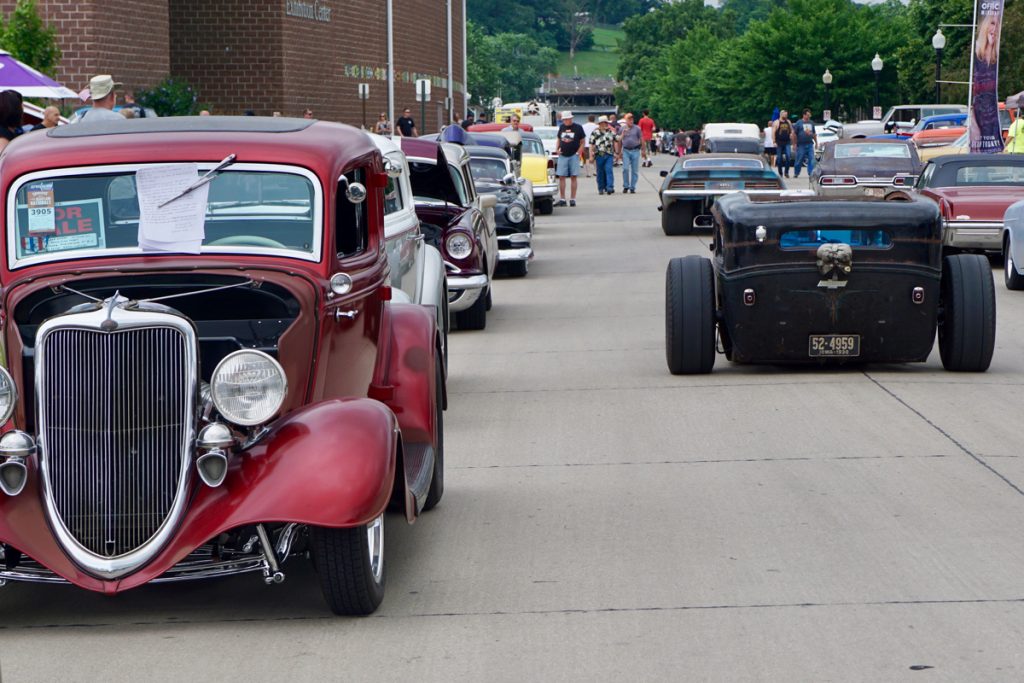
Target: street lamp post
{"x":826,"y":79}
{"x":938,"y":42}
{"x":876,"y":66}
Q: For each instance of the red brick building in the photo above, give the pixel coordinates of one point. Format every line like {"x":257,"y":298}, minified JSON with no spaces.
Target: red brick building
{"x":268,"y":55}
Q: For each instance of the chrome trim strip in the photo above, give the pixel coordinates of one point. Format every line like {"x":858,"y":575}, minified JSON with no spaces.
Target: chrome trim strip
{"x":515,"y":254}
{"x":12,"y":238}
{"x":713,"y":193}
{"x":127,"y":318}
{"x":544,"y":190}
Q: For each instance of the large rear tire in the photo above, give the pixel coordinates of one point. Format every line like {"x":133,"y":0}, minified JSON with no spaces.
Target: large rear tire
{"x":474,"y":317}
{"x":677,"y":218}
{"x":436,"y":490}
{"x":690,"y":316}
{"x":350,"y":565}
{"x":1011,"y":278}
{"x":967,"y":328}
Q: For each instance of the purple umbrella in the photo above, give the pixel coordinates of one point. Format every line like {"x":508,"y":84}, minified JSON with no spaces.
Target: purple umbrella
{"x":30,"y":83}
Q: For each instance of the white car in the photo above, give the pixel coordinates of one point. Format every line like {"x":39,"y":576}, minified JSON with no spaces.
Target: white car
{"x":548,"y":136}
{"x":830,"y":131}
{"x":417,"y":269}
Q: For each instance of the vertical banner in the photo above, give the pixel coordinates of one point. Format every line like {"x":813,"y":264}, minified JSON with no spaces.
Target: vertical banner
{"x":986,"y":133}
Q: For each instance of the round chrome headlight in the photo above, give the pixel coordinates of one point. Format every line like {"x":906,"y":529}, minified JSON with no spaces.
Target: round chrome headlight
{"x":248,"y":387}
{"x":459,"y":245}
{"x":516,"y":213}
{"x":8,"y":395}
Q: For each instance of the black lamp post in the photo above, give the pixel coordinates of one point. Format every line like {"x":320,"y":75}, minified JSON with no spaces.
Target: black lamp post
{"x":938,"y":42}
{"x":826,"y":78}
{"x":876,"y":66}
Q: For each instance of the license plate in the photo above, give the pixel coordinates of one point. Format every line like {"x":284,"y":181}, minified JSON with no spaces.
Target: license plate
{"x":874,"y":191}
{"x":834,"y":345}
{"x":723,"y":185}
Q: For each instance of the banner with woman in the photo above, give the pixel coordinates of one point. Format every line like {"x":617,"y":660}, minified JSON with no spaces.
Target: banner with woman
{"x":986,"y":134}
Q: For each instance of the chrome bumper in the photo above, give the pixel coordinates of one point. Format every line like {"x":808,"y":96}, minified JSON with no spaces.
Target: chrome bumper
{"x":695,"y":194}
{"x":973,"y":235}
{"x":515,"y":254}
{"x":464,"y":290}
{"x":544,"y":191}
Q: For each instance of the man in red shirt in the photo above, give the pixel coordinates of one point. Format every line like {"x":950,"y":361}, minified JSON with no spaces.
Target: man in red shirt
{"x":646,"y":124}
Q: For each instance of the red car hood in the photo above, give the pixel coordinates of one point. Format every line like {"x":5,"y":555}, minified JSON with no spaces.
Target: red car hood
{"x":987,"y":203}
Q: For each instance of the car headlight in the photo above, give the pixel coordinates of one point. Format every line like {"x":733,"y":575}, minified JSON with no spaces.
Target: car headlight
{"x":458,"y":245}
{"x":8,"y":395}
{"x":516,"y":214}
{"x":248,"y":387}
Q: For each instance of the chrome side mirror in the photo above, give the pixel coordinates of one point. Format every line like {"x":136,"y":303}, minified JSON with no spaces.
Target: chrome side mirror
{"x":393,"y":169}
{"x":509,"y":179}
{"x":356,"y":193}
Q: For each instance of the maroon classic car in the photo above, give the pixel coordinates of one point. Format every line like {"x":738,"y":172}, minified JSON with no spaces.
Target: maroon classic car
{"x":454,"y":221}
{"x":973,"y":192}
{"x":204,"y":375}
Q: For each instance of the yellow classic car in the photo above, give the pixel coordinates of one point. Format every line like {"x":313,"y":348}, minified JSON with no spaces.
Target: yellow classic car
{"x":926,"y":154}
{"x":537,"y":169}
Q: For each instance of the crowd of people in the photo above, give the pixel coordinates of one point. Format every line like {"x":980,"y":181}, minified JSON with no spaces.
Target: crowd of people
{"x":790,"y":145}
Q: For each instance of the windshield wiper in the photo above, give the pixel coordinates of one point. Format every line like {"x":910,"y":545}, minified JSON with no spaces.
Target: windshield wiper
{"x":210,"y":175}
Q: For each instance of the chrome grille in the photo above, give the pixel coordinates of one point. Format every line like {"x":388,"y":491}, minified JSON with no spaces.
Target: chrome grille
{"x":115,"y":414}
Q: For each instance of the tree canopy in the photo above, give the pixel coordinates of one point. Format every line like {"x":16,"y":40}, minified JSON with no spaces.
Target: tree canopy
{"x":29,"y":40}
{"x":506,"y":65}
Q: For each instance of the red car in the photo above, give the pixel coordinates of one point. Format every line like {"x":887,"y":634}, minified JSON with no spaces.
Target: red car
{"x":204,"y":375}
{"x":973,"y":192}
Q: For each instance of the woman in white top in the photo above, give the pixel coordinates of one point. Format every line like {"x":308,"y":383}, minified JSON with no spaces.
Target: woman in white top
{"x":769,"y":144}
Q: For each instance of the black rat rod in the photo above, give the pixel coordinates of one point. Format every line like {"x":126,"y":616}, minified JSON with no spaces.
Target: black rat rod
{"x":812,"y":280}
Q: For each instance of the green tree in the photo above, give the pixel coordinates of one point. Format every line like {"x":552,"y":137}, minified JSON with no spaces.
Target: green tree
{"x":29,"y":40}
{"x":171,"y":97}
{"x":507,"y":65}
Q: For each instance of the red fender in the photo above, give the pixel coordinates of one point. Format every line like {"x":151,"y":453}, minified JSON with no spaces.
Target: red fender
{"x":328,"y":464}
{"x":405,"y":381}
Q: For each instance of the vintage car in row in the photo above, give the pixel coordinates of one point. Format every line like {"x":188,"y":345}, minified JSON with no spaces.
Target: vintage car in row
{"x":454,"y":218}
{"x":513,"y":214}
{"x":824,"y":281}
{"x":737,"y":138}
{"x":945,"y":125}
{"x":865,"y":167}
{"x":973,"y":192}
{"x":899,"y":117}
{"x":696,"y":181}
{"x":538,"y":167}
{"x":205,"y":373}
{"x":417,"y":268}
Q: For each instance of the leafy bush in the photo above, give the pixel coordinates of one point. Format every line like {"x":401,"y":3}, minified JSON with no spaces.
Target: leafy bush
{"x":172,"y":97}
{"x":28,"y":40}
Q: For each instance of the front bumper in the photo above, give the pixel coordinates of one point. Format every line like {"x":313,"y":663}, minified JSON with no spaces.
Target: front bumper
{"x":676,"y":194}
{"x":464,"y":290}
{"x":973,"y":235}
{"x":515,"y":254}
{"x":856,"y":191}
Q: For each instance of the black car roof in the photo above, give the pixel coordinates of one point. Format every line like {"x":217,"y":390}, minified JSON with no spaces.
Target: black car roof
{"x":803,"y":211}
{"x":980,"y":159}
{"x":482,"y":151}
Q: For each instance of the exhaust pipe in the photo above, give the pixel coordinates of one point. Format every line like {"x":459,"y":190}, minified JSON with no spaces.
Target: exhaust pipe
{"x":13,"y":475}
{"x":213,"y":467}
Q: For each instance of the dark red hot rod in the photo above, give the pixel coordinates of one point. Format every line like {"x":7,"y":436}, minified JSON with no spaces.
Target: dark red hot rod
{"x":203,"y":374}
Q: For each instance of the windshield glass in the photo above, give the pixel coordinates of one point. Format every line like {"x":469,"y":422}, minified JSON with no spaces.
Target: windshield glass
{"x":873,"y":150}
{"x":96,"y":213}
{"x":532,"y":146}
{"x":802,"y":239}
{"x":990,"y":174}
{"x":546,"y":132}
{"x":488,"y":169}
{"x":704,"y":164}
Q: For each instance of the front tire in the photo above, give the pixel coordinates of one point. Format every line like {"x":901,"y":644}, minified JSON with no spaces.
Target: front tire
{"x":677,"y":218}
{"x":436,"y":490}
{"x":350,"y":565}
{"x":690,"y":316}
{"x":474,"y":317}
{"x":967,"y":330}
{"x":517,"y":268}
{"x":1011,"y":278}
{"x":546,"y":207}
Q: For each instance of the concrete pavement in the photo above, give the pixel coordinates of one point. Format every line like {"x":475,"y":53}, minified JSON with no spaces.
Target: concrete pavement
{"x":605,"y":520}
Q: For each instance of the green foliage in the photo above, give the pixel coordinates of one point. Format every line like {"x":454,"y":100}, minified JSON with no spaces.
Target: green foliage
{"x":507,"y":65}
{"x":172,"y":97}
{"x":29,"y":40}
{"x":600,"y":60}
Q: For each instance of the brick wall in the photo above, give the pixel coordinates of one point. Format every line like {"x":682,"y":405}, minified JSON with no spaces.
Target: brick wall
{"x":125,"y":38}
{"x":251,"y":54}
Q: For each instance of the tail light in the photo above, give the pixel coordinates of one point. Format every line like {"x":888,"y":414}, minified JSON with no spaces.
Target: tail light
{"x":838,"y":180}
{"x":904,"y":180}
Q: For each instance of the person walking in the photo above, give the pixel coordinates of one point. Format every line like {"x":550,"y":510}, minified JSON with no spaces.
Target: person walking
{"x":602,"y":155}
{"x":616,"y":127}
{"x":104,"y":98}
{"x":769,"y":144}
{"x":647,"y":126}
{"x":805,"y":138}
{"x":783,"y":134}
{"x":682,"y":142}
{"x":632,"y":142}
{"x":383,"y":126}
{"x":695,"y":137}
{"x":406,"y":126}
{"x":588,"y":158}
{"x":568,"y":142}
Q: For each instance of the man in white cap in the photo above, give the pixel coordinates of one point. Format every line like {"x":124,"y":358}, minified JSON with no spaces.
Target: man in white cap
{"x":103,"y":96}
{"x":568,"y":142}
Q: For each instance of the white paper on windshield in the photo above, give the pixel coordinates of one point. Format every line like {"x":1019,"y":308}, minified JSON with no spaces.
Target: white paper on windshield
{"x":178,"y":226}
{"x":41,"y":216}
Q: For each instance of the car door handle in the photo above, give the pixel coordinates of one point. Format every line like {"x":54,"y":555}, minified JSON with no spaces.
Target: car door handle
{"x":339,"y":314}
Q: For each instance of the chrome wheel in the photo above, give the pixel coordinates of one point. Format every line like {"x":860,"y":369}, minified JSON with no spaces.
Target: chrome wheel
{"x":375,"y":547}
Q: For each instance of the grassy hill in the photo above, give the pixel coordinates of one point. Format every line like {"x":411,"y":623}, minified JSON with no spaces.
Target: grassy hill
{"x":600,"y":60}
